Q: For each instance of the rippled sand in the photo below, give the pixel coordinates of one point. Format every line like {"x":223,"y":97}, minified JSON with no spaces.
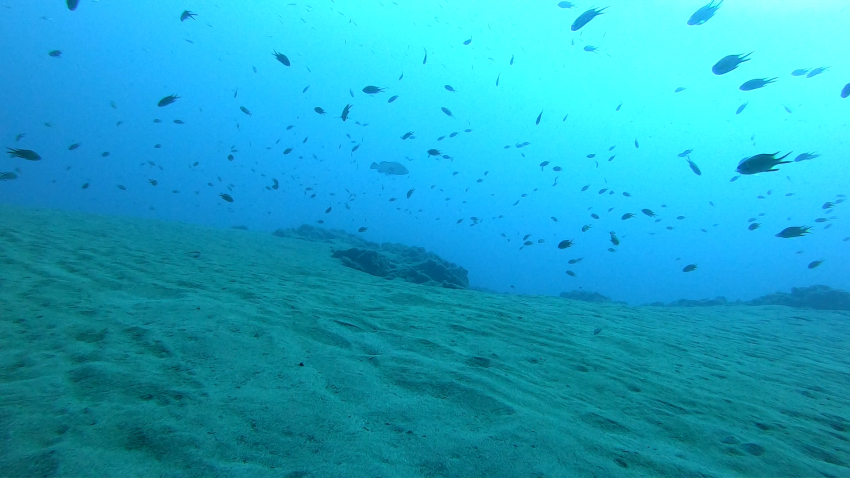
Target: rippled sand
{"x":124,"y":354}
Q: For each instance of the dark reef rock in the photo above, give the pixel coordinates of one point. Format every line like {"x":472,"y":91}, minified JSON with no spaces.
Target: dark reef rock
{"x":813,"y":297}
{"x":586,"y":296}
{"x":412,"y":264}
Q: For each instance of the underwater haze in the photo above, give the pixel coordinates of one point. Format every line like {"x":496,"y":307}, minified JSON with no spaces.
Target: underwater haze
{"x":540,"y":133}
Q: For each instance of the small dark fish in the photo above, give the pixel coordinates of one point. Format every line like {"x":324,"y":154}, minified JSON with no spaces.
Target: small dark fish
{"x":538,"y":118}
{"x":426,"y":57}
{"x":245,"y":110}
{"x":679,"y":90}
{"x":72,"y":4}
{"x":319,"y":110}
{"x":392,"y":98}
{"x":636,"y":144}
{"x":55,"y":53}
{"x":597,"y":330}
{"x":704,"y":14}
{"x":121,"y":187}
{"x":73,"y":146}
{"x":447,"y":111}
{"x":305,"y":89}
{"x":178,"y":121}
{"x":287,"y":151}
{"x":756,"y":84}
{"x":467,"y":42}
{"x":814,"y":264}
{"x":571,"y":273}
{"x":817,"y":71}
{"x":585,"y":17}
{"x":345,"y":112}
{"x":328,"y":210}
{"x":410,"y":193}
{"x":565,"y":5}
{"x":754,"y":226}
{"x":565,"y":244}
{"x":614,"y":239}
{"x":497,"y":78}
{"x":153,"y":182}
{"x":9,"y":176}
{"x":363,"y":229}
{"x":434,"y":152}
{"x":627,"y":215}
{"x":449,"y":88}
{"x":543,"y":165}
{"x":648,"y":212}
{"x":167,"y":100}
{"x":795,"y":231}
{"x":694,"y":167}
{"x":741,"y":108}
{"x":760,"y":163}
{"x":371,"y":90}
{"x":845,"y":92}
{"x":584,"y":188}
{"x":226,"y":197}
{"x":689,"y":268}
{"x":281,"y":58}
{"x":187,"y":15}
{"x":800,"y":72}
{"x":685,"y":153}
{"x":729,"y":63}
{"x":27,"y":154}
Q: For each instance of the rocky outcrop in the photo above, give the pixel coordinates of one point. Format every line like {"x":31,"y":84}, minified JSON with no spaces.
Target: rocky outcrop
{"x":388,"y":260}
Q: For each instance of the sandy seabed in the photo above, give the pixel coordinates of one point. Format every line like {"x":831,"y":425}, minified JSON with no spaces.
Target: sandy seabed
{"x":124,"y":354}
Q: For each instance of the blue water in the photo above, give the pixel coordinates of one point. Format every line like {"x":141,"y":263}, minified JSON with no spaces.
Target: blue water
{"x":118,"y":59}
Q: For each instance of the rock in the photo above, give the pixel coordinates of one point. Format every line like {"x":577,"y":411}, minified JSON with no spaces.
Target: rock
{"x":388,"y":260}
{"x":813,"y":297}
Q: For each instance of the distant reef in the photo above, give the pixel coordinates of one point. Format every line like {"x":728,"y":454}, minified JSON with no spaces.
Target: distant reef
{"x":813,"y":297}
{"x":387,"y":260}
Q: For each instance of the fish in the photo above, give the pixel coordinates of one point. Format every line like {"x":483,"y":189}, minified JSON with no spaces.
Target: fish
{"x":345,"y":112}
{"x":694,"y":167}
{"x":72,"y":4}
{"x":689,"y":268}
{"x":648,"y":212}
{"x":571,"y":273}
{"x":586,"y":17}
{"x":73,"y":146}
{"x":845,"y":92}
{"x":363,"y":229}
{"x":447,"y":111}
{"x":246,"y":110}
{"x":614,"y":239}
{"x":794,"y":231}
{"x":319,"y":110}
{"x":449,"y":88}
{"x":178,"y":121}
{"x":538,"y":118}
{"x":565,"y":5}
{"x":754,"y":226}
{"x":704,"y":14}
{"x":814,"y":264}
{"x":756,"y":83}
{"x":371,"y":90}
{"x":410,"y":193}
{"x":55,"y":53}
{"x":685,"y":153}
{"x":281,"y":58}
{"x":729,"y":63}
{"x":392,"y":98}
{"x":183,"y":16}
{"x":390,"y":168}
{"x":760,"y":163}
{"x":27,"y":154}
{"x":8,"y":176}
{"x":741,"y":108}
{"x":467,"y":42}
{"x":565,"y":244}
{"x":167,"y":100}
{"x":800,"y":72}
{"x":679,"y":90}
{"x":806,"y":157}
{"x":226,"y":197}
{"x":817,"y":71}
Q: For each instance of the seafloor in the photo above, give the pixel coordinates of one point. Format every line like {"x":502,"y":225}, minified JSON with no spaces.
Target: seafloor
{"x":125,"y":353}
